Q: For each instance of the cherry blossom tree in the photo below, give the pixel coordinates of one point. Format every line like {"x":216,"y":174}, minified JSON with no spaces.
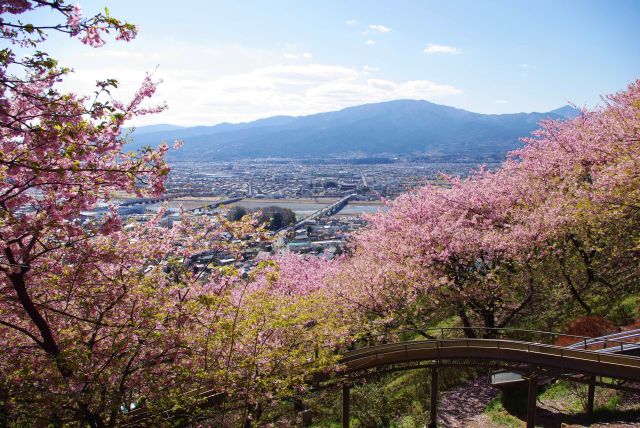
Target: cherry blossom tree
{"x":60,"y":154}
{"x":267,"y":339}
{"x":97,"y":319}
{"x":552,"y":227}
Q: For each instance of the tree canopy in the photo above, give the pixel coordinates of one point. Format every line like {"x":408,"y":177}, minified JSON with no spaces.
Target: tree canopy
{"x":272,"y":217}
{"x":97,"y":319}
{"x":554,"y":229}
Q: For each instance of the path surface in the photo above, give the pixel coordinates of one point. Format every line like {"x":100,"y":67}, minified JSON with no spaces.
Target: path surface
{"x":460,"y":407}
{"x":463,"y":407}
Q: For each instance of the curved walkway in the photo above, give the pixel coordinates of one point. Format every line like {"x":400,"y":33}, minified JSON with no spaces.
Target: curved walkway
{"x":586,"y":363}
{"x":535,"y":354}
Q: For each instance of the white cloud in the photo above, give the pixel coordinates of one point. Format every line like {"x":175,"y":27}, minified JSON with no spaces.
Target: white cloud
{"x":356,"y":92}
{"x":305,"y":55}
{"x":386,"y":85}
{"x":307,"y":89}
{"x":351,"y":22}
{"x":231,"y":83}
{"x":371,"y":42}
{"x":433,"y":48}
{"x":525,"y":66}
{"x":377,"y":28}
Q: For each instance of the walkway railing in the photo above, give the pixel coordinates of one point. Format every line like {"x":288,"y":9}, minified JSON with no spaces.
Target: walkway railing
{"x":614,"y":342}
{"x":532,"y":349}
{"x":526,"y":348}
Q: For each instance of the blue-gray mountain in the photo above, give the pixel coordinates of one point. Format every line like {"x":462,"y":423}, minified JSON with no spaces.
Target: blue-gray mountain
{"x":396,"y":127}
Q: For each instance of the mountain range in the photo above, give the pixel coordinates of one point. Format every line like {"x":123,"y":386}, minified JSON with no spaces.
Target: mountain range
{"x":401,"y":127}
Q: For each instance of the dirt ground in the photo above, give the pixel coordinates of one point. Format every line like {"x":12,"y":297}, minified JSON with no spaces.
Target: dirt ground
{"x":464,"y":407}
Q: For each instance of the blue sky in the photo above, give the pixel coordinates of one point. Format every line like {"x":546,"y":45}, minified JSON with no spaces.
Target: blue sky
{"x":241,"y":60}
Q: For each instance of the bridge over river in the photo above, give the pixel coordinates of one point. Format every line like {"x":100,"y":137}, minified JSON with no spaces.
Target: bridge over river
{"x":529,"y":352}
{"x":329,"y":210}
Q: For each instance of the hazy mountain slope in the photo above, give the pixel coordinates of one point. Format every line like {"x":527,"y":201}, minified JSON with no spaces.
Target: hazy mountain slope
{"x":398,"y":127}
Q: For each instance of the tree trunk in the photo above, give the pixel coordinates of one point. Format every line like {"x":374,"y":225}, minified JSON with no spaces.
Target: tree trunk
{"x":468,"y":330}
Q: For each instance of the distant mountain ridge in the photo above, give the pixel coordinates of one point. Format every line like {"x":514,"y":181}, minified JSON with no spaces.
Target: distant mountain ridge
{"x":394,"y":127}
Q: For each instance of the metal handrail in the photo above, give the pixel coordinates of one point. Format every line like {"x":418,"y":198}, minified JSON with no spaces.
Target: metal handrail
{"x":584,"y":341}
{"x":612,"y":338}
{"x":583,"y":361}
{"x":501,"y":346}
